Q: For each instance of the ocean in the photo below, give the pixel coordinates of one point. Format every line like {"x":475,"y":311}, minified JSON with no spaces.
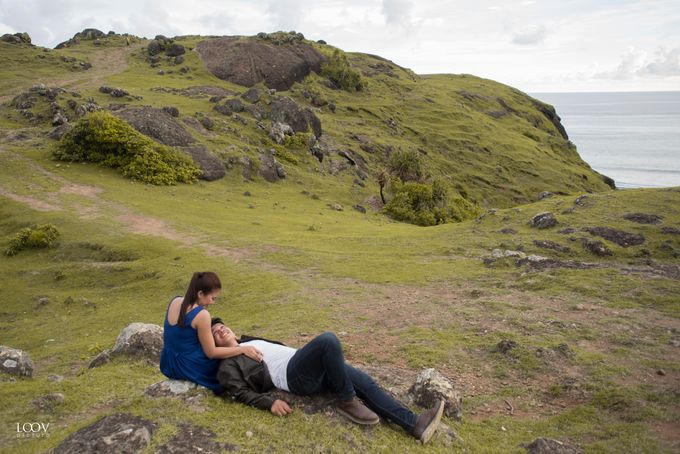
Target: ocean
{"x":632,"y":137}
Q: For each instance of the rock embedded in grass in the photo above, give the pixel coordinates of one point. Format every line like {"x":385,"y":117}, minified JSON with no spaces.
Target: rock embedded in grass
{"x":430,"y":386}
{"x":15,"y":361}
{"x":119,"y":432}
{"x":543,"y":220}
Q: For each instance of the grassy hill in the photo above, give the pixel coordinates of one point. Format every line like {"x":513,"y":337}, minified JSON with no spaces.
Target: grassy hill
{"x":596,"y":356}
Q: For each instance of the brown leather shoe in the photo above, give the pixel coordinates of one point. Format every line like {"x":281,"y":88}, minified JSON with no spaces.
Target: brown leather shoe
{"x":427,"y":422}
{"x":355,"y":410}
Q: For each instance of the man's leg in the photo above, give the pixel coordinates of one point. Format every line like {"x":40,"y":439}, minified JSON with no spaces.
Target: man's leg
{"x":321,"y":358}
{"x":379,"y":400}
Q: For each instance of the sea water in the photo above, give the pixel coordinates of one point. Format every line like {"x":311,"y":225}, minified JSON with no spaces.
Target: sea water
{"x":632,"y":137}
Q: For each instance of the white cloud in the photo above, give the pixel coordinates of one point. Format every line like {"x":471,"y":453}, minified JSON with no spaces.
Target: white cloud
{"x":532,"y":34}
{"x":549,"y":46}
{"x":397,"y":12}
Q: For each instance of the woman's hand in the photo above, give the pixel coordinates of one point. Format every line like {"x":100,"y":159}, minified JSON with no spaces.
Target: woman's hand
{"x":252,"y":352}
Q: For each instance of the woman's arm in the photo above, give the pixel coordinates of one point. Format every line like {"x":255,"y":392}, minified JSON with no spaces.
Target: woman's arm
{"x":207,"y":341}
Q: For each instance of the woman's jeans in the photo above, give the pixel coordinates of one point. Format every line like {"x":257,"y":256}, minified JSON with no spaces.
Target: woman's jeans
{"x":320,"y":366}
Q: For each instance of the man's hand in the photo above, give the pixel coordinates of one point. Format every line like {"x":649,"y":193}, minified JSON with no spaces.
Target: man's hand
{"x":252,"y":352}
{"x":281,"y":408}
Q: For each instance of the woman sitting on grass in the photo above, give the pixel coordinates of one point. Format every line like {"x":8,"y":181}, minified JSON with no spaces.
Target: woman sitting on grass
{"x":189,"y":350}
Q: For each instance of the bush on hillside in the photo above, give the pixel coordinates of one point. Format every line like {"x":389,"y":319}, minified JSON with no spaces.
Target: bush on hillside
{"x":406,"y":165}
{"x":338,"y":71}
{"x":427,"y":203}
{"x":104,"y":139}
{"x":36,"y":236}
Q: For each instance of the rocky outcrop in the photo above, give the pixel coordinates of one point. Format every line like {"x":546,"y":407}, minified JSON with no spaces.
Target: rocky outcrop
{"x":551,"y":115}
{"x":16,"y":38}
{"x":197,"y":439}
{"x":157,"y":124}
{"x":623,"y":239}
{"x":120,"y":432}
{"x":270,"y":168}
{"x":15,"y":361}
{"x":247,"y":60}
{"x":137,"y":340}
{"x":543,"y":220}
{"x":301,"y":119}
{"x":87,"y":34}
{"x":212,"y":167}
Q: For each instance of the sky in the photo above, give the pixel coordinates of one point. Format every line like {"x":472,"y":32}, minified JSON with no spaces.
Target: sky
{"x":536,"y":46}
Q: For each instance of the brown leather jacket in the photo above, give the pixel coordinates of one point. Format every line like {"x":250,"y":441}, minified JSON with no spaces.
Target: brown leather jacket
{"x":247,"y":380}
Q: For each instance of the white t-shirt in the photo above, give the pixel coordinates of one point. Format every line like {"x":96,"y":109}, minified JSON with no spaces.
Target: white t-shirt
{"x":276,"y":359}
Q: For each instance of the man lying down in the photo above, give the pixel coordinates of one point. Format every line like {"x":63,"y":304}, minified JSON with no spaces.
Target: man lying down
{"x":316,"y":367}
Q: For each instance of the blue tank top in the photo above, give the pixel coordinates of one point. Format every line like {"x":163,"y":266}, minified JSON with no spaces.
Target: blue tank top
{"x":182,"y":357}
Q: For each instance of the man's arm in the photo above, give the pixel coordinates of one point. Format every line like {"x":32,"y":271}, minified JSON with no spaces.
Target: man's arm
{"x":231,"y":377}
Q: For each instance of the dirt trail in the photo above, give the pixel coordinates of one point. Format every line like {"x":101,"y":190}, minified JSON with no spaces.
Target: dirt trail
{"x":106,"y":62}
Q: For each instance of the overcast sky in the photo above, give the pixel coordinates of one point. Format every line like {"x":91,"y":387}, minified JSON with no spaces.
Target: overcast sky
{"x":536,"y":46}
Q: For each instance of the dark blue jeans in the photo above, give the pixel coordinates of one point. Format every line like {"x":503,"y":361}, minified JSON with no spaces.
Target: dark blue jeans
{"x":320,"y":366}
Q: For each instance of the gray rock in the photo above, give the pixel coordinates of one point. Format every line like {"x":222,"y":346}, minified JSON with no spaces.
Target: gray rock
{"x":252,"y":95}
{"x":101,"y":359}
{"x":430,"y":386}
{"x":234,"y":104}
{"x":119,"y":432}
{"x":58,"y":132}
{"x":285,"y":110}
{"x":211,"y":165}
{"x":173,"y":388}
{"x":157,"y":124}
{"x":195,"y":439}
{"x":544,"y":195}
{"x":174,"y":50}
{"x":270,"y":169}
{"x":140,"y":339}
{"x":500,"y":253}
{"x":543,"y":220}
{"x":279,"y":131}
{"x":48,"y":401}
{"x":548,"y":446}
{"x":15,"y":361}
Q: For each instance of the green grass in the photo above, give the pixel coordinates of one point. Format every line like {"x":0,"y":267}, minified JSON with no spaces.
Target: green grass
{"x":407,"y":296}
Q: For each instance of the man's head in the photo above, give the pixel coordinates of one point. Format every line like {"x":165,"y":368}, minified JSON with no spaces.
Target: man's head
{"x":224,"y":337}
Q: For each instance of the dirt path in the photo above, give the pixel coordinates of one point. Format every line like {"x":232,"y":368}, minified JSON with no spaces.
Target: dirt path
{"x":106,"y":62}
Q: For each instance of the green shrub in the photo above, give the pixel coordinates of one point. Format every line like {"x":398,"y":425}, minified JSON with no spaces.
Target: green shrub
{"x":427,"y":204}
{"x":406,"y":165}
{"x":298,"y":140}
{"x":337,"y":69}
{"x":107,"y":140}
{"x":37,"y":236}
{"x":286,"y":155}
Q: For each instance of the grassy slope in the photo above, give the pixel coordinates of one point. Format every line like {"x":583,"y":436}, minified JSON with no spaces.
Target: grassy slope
{"x":407,"y":296}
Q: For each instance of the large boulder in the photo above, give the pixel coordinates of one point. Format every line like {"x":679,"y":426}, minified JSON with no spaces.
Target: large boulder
{"x":247,"y":61}
{"x":284,"y":110}
{"x":430,"y":386}
{"x":15,"y":361}
{"x":137,"y":340}
{"x":16,"y":38}
{"x":270,"y":168}
{"x":119,"y":432}
{"x":157,"y":124}
{"x":212,"y":167}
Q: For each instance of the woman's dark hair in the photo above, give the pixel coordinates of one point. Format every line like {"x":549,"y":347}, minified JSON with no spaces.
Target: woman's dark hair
{"x":205,"y":281}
